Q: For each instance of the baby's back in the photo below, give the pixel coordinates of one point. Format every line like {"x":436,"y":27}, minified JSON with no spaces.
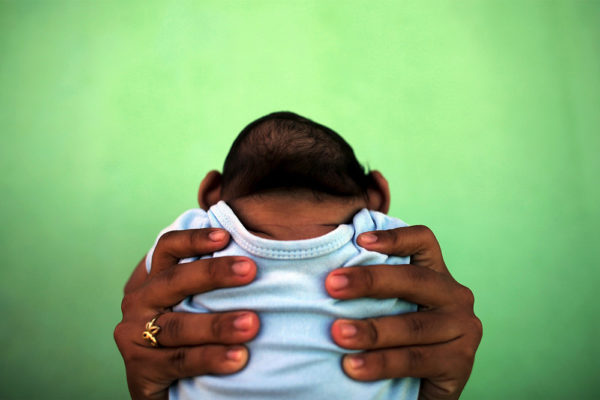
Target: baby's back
{"x":293,"y":355}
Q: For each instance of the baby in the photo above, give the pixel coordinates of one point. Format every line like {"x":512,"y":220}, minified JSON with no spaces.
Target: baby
{"x":294,"y":199}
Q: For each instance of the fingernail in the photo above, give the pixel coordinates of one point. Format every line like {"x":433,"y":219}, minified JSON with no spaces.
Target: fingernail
{"x":243,"y":322}
{"x":338,"y":282}
{"x":356,"y":362}
{"x":217,"y":236}
{"x":241,"y":268}
{"x":235,"y":354}
{"x":368,"y":238}
{"x":348,"y":330}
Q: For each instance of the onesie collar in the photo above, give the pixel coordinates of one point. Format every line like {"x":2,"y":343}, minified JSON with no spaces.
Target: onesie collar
{"x":280,"y":249}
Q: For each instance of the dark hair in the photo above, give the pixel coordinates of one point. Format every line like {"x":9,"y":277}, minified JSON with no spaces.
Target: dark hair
{"x":283,"y":150}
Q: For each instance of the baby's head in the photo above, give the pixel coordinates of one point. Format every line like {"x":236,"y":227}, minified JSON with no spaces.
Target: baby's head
{"x":284,"y":154}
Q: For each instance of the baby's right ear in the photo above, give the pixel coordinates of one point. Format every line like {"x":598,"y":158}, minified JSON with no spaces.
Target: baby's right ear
{"x":209,"y":192}
{"x":379,"y":193}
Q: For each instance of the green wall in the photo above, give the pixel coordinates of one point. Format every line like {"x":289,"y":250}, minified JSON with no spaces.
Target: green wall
{"x":483,"y":115}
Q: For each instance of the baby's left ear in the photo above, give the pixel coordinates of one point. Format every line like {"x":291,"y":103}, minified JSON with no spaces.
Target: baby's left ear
{"x":379,"y":193}
{"x":209,"y":192}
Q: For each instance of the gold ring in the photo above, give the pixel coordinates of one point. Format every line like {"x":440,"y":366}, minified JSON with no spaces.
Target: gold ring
{"x":151,"y":331}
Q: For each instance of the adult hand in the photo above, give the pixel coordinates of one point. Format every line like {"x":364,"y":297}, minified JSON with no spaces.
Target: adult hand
{"x":437,"y":344}
{"x":189,"y":344}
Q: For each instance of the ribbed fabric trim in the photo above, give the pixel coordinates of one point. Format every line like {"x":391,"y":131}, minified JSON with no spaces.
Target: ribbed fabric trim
{"x":280,"y":249}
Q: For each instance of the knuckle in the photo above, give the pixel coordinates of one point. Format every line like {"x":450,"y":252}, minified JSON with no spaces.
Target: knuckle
{"x":416,"y":275}
{"x":424,"y":231}
{"x":147,"y":392}
{"x":416,"y":327}
{"x":165,"y":237}
{"x":119,"y":334}
{"x":396,"y":238}
{"x":467,"y":296}
{"x":216,"y":326}
{"x":178,"y":359}
{"x":427,"y":237}
{"x":451,"y":387}
{"x":477,"y":327}
{"x":387,"y":236}
{"x":127,"y":303}
{"x":371,"y":331}
{"x":171,"y":327}
{"x":169,"y":274}
{"x":367,"y":278}
{"x":213,"y":269}
{"x":196,"y":236}
{"x":415,"y":358}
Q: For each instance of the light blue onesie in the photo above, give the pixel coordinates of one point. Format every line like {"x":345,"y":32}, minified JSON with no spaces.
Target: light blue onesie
{"x":293,"y":355}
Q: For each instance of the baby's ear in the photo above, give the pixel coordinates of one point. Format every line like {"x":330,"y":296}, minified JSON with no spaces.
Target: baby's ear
{"x":379,"y":193}
{"x":209,"y":192}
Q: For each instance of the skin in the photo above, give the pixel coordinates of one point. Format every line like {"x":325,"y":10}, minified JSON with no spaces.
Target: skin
{"x":437,"y":344}
{"x":190,"y":344}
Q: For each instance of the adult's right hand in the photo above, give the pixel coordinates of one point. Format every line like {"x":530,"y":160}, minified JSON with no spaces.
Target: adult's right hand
{"x":189,"y":344}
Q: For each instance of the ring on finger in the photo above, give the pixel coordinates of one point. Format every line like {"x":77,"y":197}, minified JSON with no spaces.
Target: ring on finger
{"x":151,"y":331}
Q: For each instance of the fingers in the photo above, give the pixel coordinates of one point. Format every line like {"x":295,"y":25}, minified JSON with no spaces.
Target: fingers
{"x":151,"y":371}
{"x":445,"y":365}
{"x":190,"y":344}
{"x":408,"y":282}
{"x":400,"y":330}
{"x":176,"y":245}
{"x":417,"y":241}
{"x":182,"y":280}
{"x":202,"y":360}
{"x":392,"y":363}
{"x":437,"y":344}
{"x":188,"y":329}
{"x":414,"y":361}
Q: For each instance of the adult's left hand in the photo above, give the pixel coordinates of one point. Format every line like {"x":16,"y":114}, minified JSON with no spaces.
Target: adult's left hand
{"x":437,"y":344}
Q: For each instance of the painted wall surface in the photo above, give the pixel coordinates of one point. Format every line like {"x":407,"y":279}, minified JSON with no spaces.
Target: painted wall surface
{"x":484,"y":116}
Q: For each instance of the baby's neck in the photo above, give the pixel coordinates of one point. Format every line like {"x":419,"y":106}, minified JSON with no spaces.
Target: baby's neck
{"x":295,"y":216}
